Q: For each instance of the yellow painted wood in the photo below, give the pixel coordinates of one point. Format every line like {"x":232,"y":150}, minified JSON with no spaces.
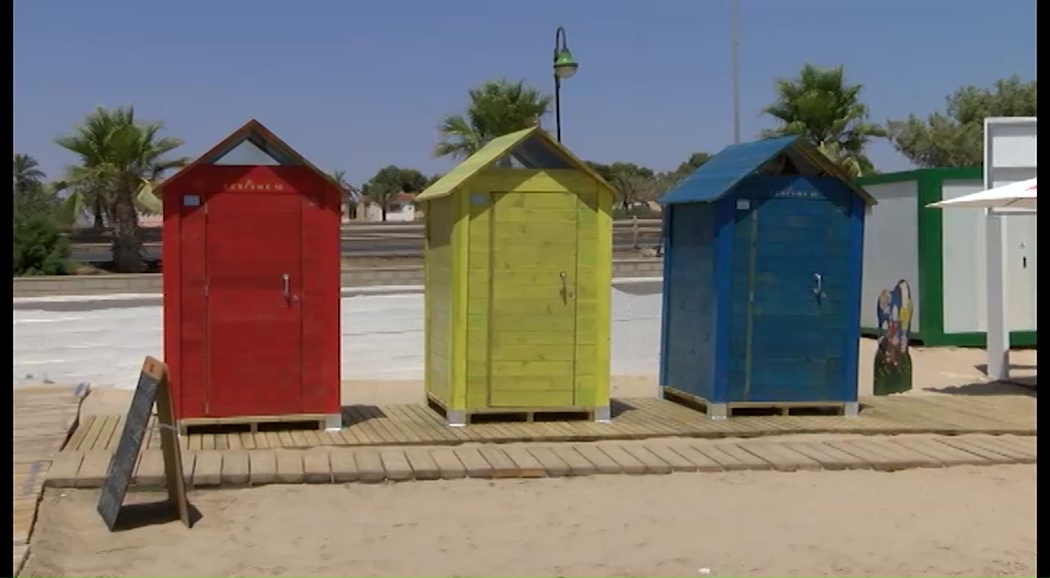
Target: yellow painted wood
{"x":535,"y":180}
{"x":532,"y":398}
{"x":457,"y":395}
{"x":438,"y":274}
{"x":597,"y":315}
{"x":478,"y":294}
{"x":545,"y":305}
{"x":522,"y":335}
{"x":431,"y":385}
{"x":480,"y":163}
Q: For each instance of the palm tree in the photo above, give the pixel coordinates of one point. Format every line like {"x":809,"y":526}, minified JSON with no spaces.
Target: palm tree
{"x":121,"y":159}
{"x":822,"y":106}
{"x":495,"y":108}
{"x":27,"y":174}
{"x":31,"y":194}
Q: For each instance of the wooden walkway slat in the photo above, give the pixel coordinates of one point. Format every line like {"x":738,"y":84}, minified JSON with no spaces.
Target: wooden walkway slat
{"x":44,"y":418}
{"x":328,"y":464}
{"x":634,"y":419}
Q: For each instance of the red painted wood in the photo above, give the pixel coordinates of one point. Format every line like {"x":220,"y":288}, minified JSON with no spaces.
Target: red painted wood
{"x":242,"y":348}
{"x":255,"y":328}
{"x":191,"y":324}
{"x":321,"y":355}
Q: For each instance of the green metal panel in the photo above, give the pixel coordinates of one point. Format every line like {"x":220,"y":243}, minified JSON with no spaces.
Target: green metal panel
{"x":929,"y":185}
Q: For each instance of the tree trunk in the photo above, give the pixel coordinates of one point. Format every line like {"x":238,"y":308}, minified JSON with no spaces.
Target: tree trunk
{"x":127,"y":244}
{"x":97,"y":211}
{"x":383,"y":209}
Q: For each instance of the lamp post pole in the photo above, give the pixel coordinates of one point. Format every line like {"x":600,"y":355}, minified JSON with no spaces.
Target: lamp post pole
{"x":734,"y":46}
{"x":564,"y":67}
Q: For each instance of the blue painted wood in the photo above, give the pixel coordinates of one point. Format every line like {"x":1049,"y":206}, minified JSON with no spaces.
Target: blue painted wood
{"x":712,"y":180}
{"x":725,"y":223}
{"x":741,"y":319}
{"x":852,"y":304}
{"x":667,"y":243}
{"x":735,"y":164}
{"x":687,"y":354}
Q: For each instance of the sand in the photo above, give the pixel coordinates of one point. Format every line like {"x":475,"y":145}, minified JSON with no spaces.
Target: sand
{"x":950,"y":522}
{"x":964,"y":521}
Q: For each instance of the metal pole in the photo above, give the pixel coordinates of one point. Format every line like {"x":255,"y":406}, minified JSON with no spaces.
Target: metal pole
{"x":734,"y":41}
{"x":559,"y":35}
{"x":557,"y":107}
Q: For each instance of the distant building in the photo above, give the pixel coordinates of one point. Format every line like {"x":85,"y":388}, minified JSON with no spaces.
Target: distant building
{"x":401,"y":208}
{"x":148,"y":221}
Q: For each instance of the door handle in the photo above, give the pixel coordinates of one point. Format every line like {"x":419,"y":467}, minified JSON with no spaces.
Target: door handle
{"x":818,"y":284}
{"x":565,"y":285}
{"x":286,"y":281}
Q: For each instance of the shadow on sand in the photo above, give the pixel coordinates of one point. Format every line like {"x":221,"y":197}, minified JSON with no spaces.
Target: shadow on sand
{"x":153,"y":513}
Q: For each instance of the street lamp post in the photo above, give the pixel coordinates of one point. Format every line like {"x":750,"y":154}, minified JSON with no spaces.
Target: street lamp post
{"x":564,"y":67}
{"x":734,"y":48}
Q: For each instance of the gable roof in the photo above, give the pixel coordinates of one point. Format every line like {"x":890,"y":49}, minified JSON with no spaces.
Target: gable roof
{"x":531,"y":146}
{"x":715,"y":178}
{"x":252,"y":131}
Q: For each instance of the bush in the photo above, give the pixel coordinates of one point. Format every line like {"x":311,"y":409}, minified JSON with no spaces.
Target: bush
{"x":40,"y":248}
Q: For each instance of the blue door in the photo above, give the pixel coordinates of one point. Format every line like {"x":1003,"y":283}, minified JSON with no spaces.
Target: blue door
{"x":791,"y":265}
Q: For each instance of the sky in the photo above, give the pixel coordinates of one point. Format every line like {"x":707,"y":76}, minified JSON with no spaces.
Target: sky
{"x":357,"y":85}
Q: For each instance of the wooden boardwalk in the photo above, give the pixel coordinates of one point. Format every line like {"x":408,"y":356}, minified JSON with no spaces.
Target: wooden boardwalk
{"x":322,"y":465}
{"x":633,"y":418}
{"x":44,"y":417}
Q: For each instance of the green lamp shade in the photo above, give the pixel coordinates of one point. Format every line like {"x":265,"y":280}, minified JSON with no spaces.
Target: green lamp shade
{"x":564,"y":64}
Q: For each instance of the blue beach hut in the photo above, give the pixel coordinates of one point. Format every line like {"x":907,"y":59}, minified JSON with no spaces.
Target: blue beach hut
{"x":763,"y":247}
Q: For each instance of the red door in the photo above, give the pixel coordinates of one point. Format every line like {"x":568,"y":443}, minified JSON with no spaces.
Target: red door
{"x":254,"y":270}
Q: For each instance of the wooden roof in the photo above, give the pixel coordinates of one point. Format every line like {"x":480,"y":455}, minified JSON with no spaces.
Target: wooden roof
{"x":248,"y":130}
{"x":718,"y":176}
{"x":532,"y":143}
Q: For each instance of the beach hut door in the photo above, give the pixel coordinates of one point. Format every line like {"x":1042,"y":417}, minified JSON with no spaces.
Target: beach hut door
{"x":532,"y":325}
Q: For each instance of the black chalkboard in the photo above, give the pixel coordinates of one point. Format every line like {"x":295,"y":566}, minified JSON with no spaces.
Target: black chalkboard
{"x":152,"y":388}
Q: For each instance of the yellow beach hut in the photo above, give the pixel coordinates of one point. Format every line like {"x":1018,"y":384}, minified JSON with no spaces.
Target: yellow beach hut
{"x":518,"y":265}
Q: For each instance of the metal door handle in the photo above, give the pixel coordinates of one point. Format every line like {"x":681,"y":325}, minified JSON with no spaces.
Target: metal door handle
{"x":286,"y":280}
{"x":564,"y":284}
{"x":818,"y":284}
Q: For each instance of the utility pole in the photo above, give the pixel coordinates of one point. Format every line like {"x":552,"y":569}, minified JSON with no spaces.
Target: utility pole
{"x":734,"y":46}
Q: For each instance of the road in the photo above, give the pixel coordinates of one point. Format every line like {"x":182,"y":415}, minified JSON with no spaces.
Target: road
{"x":389,"y":240}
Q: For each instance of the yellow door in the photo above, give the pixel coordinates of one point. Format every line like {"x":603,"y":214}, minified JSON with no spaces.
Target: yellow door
{"x":532,"y":319}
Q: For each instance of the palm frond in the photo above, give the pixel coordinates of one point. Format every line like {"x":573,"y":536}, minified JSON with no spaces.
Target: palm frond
{"x":494,"y":108}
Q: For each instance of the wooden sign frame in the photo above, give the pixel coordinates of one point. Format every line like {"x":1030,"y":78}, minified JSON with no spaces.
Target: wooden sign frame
{"x":152,"y":389}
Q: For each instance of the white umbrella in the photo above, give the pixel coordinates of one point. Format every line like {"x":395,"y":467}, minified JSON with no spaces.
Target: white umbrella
{"x":1019,"y":195}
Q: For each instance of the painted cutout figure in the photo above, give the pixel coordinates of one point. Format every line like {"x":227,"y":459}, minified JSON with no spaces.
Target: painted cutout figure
{"x":893,"y":369}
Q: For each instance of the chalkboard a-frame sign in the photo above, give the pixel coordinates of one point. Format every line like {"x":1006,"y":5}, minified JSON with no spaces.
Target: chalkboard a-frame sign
{"x":152,"y":388}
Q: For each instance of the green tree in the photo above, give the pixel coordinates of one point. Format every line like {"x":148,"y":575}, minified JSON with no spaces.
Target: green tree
{"x":390,"y":181}
{"x":666,"y":180}
{"x":39,"y":247}
{"x":495,"y":108}
{"x":695,"y":161}
{"x":120,"y":159}
{"x":31,"y":193}
{"x":27,"y":174}
{"x":633,"y":183}
{"x":955,"y":138}
{"x":821,"y":105}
